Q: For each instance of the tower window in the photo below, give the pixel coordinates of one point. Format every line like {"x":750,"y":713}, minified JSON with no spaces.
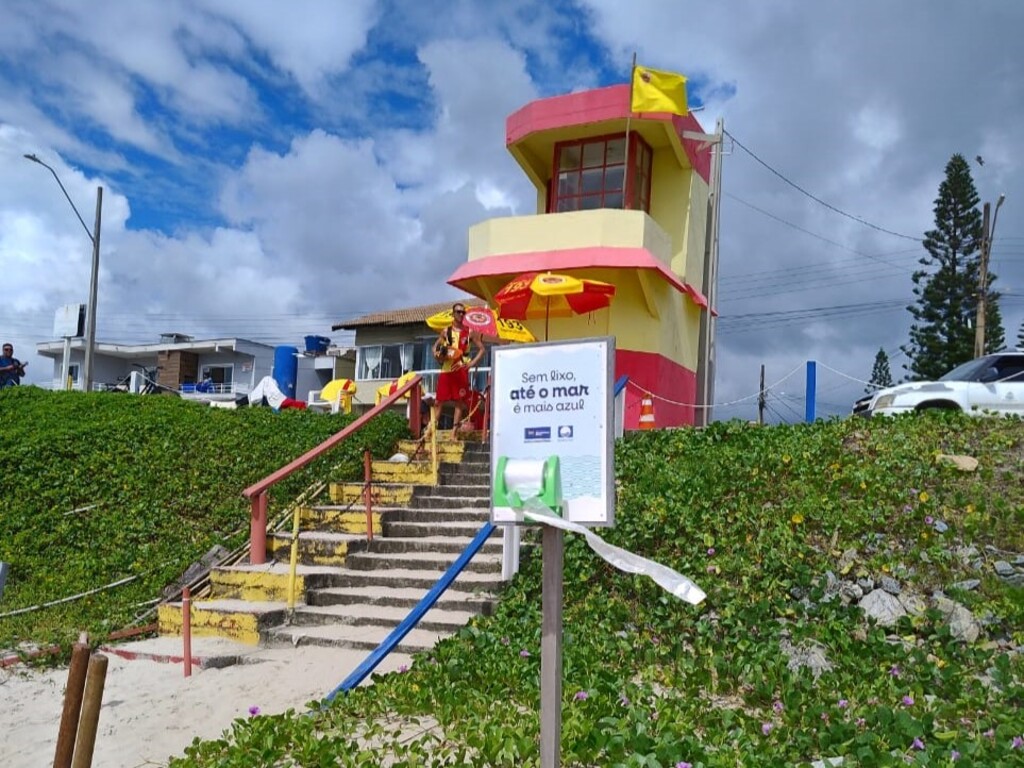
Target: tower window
{"x":591,"y":173}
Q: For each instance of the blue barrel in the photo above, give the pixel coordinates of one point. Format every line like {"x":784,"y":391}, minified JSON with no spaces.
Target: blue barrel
{"x":317,"y":344}
{"x":286,"y":369}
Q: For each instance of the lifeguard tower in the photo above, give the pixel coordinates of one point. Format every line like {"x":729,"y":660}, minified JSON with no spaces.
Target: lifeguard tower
{"x":621,"y":197}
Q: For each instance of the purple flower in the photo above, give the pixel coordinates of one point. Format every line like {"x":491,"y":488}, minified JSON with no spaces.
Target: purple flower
{"x":913,"y":491}
{"x":777,"y":706}
{"x":824,"y":716}
{"x":907,"y":509}
{"x":908,"y":701}
{"x":253,"y":711}
{"x":842,"y":703}
{"x":954,"y":755}
{"x":623,"y":700}
{"x":504,"y":641}
{"x":711,"y":551}
{"x":860,"y":721}
{"x":684,"y":764}
{"x":403,"y":668}
{"x":990,"y":733}
{"x":1017,"y":742}
{"x":917,"y":744}
{"x":524,"y":653}
{"x":929,"y":520}
{"x":581,"y":696}
{"x":894,"y":670}
{"x":766,"y":728}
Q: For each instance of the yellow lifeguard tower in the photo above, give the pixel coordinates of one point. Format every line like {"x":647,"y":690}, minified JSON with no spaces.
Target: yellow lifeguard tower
{"x":621,"y":197}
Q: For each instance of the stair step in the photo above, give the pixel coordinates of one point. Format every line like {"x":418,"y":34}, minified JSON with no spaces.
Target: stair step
{"x":399,"y":597}
{"x":450,"y":502}
{"x":449,"y":544}
{"x":477,"y":515}
{"x":426,"y":528}
{"x":439,"y":561}
{"x":348,"y":636}
{"x":316,"y":547}
{"x":437,"y":619}
{"x":411,"y":578}
{"x":449,"y":490}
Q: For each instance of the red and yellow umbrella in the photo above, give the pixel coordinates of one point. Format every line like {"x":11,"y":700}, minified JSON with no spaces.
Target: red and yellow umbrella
{"x":484,"y":321}
{"x":534,"y":295}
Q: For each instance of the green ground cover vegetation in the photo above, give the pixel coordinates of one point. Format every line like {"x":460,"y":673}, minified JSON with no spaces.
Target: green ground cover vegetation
{"x":758,"y":517}
{"x":100,"y":487}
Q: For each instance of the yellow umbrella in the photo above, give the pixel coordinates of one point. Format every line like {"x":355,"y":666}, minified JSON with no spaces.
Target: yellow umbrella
{"x":386,"y":390}
{"x":504,"y":328}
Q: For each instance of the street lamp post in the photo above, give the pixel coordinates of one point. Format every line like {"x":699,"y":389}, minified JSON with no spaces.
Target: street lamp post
{"x":986,"y":250}
{"x":94,"y":236}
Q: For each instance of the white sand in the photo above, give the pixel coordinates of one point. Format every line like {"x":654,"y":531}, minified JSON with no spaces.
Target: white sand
{"x":151,"y":711}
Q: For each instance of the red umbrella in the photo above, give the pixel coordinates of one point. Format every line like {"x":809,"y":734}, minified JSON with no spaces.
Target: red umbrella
{"x":535,"y":295}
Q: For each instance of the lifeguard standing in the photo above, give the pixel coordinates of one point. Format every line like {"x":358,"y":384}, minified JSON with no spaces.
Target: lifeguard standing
{"x":452,"y":350}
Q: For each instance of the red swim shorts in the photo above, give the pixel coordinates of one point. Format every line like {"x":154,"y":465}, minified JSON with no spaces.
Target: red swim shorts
{"x":453,"y":386}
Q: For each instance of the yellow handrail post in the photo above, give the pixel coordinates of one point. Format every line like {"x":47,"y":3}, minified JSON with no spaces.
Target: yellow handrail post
{"x":294,"y":561}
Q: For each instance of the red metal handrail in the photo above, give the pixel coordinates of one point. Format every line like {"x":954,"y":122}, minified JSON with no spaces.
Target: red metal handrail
{"x":257,"y":492}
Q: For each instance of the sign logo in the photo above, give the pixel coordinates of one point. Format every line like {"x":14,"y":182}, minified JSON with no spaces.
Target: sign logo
{"x":537,"y":434}
{"x":565,"y":432}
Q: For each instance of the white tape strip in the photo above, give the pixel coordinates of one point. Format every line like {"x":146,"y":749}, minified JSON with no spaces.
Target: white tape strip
{"x":672,"y":582}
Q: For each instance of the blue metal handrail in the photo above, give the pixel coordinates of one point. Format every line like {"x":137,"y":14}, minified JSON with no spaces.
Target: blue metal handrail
{"x":620,"y":385}
{"x":409,"y":622}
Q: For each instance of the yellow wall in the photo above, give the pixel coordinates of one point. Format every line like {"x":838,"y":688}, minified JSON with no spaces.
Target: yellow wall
{"x":576,"y":229}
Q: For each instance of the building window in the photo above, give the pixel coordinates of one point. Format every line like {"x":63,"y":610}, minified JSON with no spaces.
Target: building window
{"x":389,"y":361}
{"x":591,"y":173}
{"x":218,"y":374}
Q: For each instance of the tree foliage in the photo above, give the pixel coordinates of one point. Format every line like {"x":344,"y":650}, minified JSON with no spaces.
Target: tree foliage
{"x":942,"y":334}
{"x":881,"y":374}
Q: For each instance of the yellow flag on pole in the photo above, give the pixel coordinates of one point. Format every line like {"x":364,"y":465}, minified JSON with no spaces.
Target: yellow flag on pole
{"x":657,"y":91}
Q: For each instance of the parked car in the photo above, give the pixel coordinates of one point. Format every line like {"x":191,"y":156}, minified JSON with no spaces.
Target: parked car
{"x":993,"y":384}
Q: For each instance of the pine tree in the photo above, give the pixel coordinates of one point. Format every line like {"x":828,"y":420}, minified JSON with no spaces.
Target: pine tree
{"x":942,"y":335}
{"x":881,"y":374}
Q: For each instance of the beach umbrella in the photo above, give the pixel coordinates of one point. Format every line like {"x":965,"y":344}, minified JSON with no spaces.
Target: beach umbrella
{"x":542,"y":294}
{"x":486,"y":322}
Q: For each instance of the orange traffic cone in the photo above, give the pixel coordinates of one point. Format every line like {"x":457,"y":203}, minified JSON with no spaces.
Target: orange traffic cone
{"x":647,"y":412}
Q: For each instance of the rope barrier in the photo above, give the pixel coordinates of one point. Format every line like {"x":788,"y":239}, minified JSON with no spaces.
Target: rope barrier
{"x":633,"y":384}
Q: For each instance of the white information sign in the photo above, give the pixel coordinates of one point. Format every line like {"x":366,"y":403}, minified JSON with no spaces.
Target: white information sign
{"x":554,"y":399}
{"x":68,"y":320}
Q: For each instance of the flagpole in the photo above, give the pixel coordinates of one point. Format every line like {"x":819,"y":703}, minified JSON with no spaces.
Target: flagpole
{"x":629,"y":115}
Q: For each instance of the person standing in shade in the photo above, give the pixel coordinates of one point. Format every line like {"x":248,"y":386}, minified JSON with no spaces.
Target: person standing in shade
{"x":452,"y":350}
{"x":11,"y":368}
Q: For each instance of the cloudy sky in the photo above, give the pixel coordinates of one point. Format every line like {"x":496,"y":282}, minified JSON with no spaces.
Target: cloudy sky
{"x":270,"y":168}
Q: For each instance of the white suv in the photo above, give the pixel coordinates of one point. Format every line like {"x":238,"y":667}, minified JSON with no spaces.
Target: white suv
{"x":993,"y":384}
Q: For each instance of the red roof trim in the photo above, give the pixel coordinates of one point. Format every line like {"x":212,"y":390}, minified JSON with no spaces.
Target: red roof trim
{"x":512,"y":264}
{"x":596,"y":106}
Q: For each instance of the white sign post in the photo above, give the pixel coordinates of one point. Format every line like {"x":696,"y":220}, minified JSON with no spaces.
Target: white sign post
{"x":552,"y":445}
{"x":67,"y":322}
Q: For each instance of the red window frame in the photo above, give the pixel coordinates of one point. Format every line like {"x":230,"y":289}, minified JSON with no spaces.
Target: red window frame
{"x":573,"y":188}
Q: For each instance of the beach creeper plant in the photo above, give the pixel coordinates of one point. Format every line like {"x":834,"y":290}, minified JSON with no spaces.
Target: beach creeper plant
{"x":649,"y":681}
{"x":100,"y":487}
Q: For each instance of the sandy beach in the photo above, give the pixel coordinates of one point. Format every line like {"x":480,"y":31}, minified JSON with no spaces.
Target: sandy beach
{"x":151,"y":711}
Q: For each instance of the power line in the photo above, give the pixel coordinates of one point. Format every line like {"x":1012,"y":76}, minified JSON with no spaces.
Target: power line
{"x":797,"y":227}
{"x":818,"y":200}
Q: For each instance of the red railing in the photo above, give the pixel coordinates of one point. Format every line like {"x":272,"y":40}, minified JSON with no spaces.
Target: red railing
{"x":257,"y":493}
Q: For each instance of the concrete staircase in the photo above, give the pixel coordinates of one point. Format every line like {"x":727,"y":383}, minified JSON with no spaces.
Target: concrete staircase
{"x":351,"y":592}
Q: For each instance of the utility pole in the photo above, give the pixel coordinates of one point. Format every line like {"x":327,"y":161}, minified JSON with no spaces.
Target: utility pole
{"x":706,"y":341}
{"x":986,"y":249}
{"x":761,"y":399}
{"x":94,"y":236}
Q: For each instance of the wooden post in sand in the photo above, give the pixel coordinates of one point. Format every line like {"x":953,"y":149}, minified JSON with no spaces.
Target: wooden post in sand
{"x":72,"y":706}
{"x":93,"y":700}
